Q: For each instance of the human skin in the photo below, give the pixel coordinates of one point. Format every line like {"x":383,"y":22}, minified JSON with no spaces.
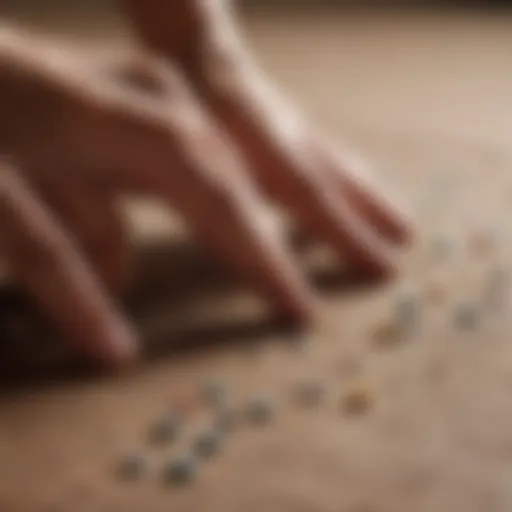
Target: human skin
{"x":192,"y":123}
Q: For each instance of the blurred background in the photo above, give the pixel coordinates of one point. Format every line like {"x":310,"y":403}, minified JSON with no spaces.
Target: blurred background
{"x":395,"y":62}
{"x":53,"y":7}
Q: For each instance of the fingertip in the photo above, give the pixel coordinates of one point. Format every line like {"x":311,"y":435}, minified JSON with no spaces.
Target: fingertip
{"x":410,"y":231}
{"x":401,"y":228}
{"x":377,"y":266}
{"x":122,"y":348}
{"x":302,"y":313}
{"x":396,"y":218}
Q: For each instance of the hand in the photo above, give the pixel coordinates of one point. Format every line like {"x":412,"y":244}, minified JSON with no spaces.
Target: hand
{"x":296,"y":165}
{"x":73,"y":141}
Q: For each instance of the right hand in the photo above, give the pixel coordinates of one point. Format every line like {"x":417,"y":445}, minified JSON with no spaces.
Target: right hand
{"x":71,"y":141}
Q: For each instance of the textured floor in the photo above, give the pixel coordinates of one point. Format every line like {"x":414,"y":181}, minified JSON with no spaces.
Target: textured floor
{"x":428,"y":100}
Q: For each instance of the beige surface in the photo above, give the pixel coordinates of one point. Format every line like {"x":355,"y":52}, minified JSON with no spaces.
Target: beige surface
{"x":422,"y":97}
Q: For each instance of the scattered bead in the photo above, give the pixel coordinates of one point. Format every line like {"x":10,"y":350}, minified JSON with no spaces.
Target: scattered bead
{"x":166,"y":429}
{"x":357,"y":399}
{"x":214,"y":393}
{"x":387,"y":334}
{"x":181,"y":470}
{"x":208,"y":443}
{"x":467,"y":317}
{"x":408,"y":312}
{"x":311,"y":393}
{"x":260,"y":410}
{"x":133,"y":467}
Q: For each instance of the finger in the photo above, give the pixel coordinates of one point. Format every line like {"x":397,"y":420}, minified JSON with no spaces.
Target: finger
{"x":290,"y":174}
{"x":172,"y":151}
{"x":315,"y":201}
{"x":152,"y":76}
{"x":259,"y":122}
{"x":91,"y":218}
{"x":369,"y":203}
{"x":51,"y":269}
{"x":231,"y":221}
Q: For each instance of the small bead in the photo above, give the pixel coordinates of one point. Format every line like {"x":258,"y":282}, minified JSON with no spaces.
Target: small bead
{"x":166,"y":429}
{"x":208,"y":443}
{"x":408,"y":312}
{"x":133,"y":467}
{"x":311,"y":393}
{"x":357,"y":399}
{"x":260,"y":410}
{"x":387,"y":334}
{"x":214,"y":393}
{"x":180,"y":470}
{"x":467,"y":317}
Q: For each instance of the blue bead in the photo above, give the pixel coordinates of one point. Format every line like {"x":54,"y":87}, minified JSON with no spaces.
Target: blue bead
{"x":214,"y":393}
{"x":208,"y":443}
{"x":180,"y":470}
{"x":166,"y":429}
{"x":311,"y":393}
{"x":467,"y":317}
{"x":260,"y":410}
{"x":408,"y":312}
{"x":133,"y":467}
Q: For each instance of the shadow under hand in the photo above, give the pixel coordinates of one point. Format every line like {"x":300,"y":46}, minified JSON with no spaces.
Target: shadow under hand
{"x":181,"y":302}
